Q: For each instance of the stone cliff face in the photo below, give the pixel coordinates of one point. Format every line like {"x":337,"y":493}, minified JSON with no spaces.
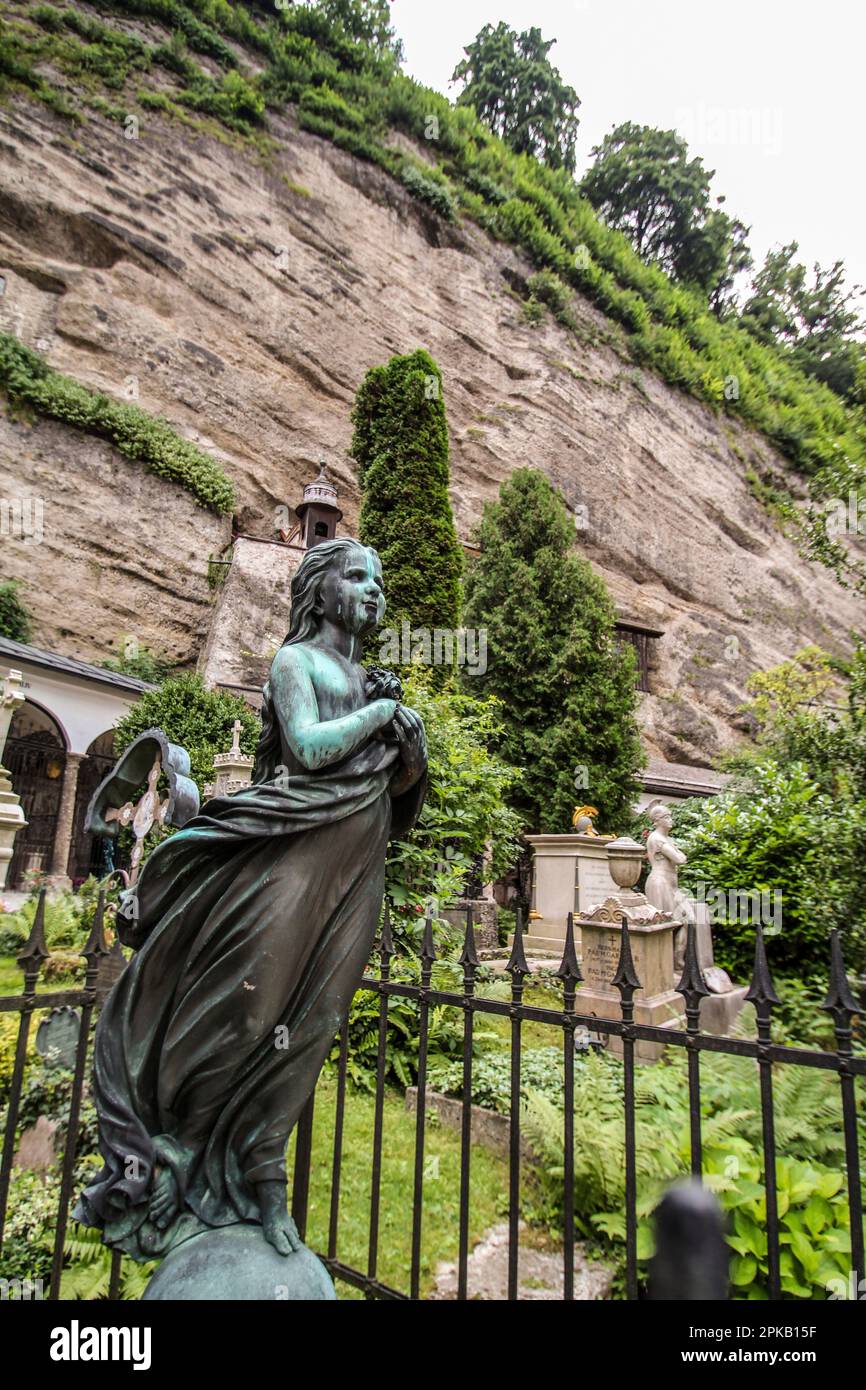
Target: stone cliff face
{"x":244,"y":298}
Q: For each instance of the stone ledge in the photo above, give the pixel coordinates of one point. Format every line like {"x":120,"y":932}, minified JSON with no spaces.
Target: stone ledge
{"x":487,"y":1126}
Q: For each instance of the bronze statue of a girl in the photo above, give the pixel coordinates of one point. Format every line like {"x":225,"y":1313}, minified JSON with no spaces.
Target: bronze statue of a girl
{"x":252,"y":927}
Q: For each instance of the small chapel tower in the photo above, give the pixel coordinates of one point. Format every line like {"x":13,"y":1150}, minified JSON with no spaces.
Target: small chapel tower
{"x":318,"y":513}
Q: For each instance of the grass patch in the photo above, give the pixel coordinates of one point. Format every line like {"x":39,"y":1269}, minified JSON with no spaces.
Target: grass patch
{"x":440,"y":1226}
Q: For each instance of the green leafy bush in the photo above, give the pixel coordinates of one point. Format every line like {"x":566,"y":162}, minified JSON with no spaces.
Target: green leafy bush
{"x":445,"y":1029}
{"x":29,"y":1227}
{"x":541,"y":1074}
{"x":15,"y":621}
{"x":233,"y":100}
{"x":547,"y":288}
{"x":429,"y":190}
{"x":807,"y":768}
{"x":200,"y":720}
{"x":27,"y":380}
{"x":815,"y":1233}
{"x":757,"y":840}
{"x":330,"y":106}
{"x":548,"y":616}
{"x":465,"y":809}
{"x":400,"y":443}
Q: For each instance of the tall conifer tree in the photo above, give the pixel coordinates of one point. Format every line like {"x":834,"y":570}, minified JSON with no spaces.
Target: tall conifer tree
{"x":567,"y":686}
{"x":401,"y":447}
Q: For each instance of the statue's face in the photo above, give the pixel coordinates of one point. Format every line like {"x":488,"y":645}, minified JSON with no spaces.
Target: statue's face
{"x":352,"y":593}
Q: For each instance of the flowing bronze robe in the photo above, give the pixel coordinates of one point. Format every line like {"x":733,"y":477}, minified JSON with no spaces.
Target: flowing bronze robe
{"x":255,"y":923}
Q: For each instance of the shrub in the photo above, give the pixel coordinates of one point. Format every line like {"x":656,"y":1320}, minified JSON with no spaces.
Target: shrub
{"x":465,"y":810}
{"x":814,"y":1227}
{"x":541,"y":1074}
{"x":15,"y":621}
{"x":400,"y":444}
{"x":547,"y":288}
{"x":330,"y":106}
{"x":445,"y":1029}
{"x":428,"y":190}
{"x":198,"y":719}
{"x":548,"y":616}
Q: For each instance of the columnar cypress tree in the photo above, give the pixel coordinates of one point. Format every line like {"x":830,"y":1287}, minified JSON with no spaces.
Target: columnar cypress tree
{"x":567,"y":685}
{"x":401,"y":448}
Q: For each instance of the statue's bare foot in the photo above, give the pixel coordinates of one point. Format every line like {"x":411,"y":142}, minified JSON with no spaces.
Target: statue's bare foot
{"x":165,"y":1199}
{"x":278,"y":1228}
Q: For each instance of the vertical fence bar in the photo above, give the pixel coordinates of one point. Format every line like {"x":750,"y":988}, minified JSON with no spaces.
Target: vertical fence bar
{"x":569,"y":973}
{"x":518,"y":969}
{"x":428,"y":956}
{"x":93,"y":953}
{"x":114,"y":1276}
{"x":843,"y":1006}
{"x":627,"y":982}
{"x":303,"y":1162}
{"x":469,"y":961}
{"x":339,"y":1117}
{"x":30,"y":961}
{"x":693,"y":988}
{"x":762,"y":994}
{"x":386,"y":951}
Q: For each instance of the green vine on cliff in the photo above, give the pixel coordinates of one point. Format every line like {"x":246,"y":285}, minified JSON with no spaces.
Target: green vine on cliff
{"x":27,"y":379}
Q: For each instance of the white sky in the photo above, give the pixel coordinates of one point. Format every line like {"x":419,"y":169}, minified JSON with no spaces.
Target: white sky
{"x":769,"y":92}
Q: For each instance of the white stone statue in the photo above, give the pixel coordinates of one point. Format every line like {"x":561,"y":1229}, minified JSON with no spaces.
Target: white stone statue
{"x":664,"y":860}
{"x":663,"y":891}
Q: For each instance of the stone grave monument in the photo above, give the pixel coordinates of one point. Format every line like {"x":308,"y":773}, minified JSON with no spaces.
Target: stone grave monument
{"x":570,"y":874}
{"x":651,"y":934}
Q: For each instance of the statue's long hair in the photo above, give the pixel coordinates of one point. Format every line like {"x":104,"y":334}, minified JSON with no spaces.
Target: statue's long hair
{"x":304,"y":624}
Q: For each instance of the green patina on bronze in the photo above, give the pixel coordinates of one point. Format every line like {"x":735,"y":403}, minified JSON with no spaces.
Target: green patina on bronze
{"x":252,"y":927}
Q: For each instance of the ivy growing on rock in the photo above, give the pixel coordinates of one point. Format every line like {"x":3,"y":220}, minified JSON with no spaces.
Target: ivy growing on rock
{"x":27,"y":380}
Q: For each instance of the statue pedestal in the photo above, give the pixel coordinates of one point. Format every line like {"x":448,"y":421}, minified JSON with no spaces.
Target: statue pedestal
{"x":570,"y":874}
{"x":721,"y":1008}
{"x":719,"y":1012}
{"x":651,"y":937}
{"x":236,"y":1263}
{"x":11,"y":821}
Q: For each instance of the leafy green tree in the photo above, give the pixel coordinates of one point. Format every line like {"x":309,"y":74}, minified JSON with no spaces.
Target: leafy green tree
{"x":465,"y":809}
{"x":712,"y":256}
{"x":819,"y":320}
{"x":644,"y":184}
{"x":400,"y":444}
{"x":567,"y":686}
{"x":794,"y":821}
{"x":15,"y":620}
{"x":519,"y":94}
{"x":364,"y":21}
{"x":199,"y":719}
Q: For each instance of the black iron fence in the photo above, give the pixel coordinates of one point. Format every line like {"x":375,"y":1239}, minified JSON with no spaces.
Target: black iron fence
{"x":565,"y":1019}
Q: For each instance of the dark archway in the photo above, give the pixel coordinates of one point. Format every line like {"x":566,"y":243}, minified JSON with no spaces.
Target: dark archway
{"x":87,"y":853}
{"x":35,"y":757}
